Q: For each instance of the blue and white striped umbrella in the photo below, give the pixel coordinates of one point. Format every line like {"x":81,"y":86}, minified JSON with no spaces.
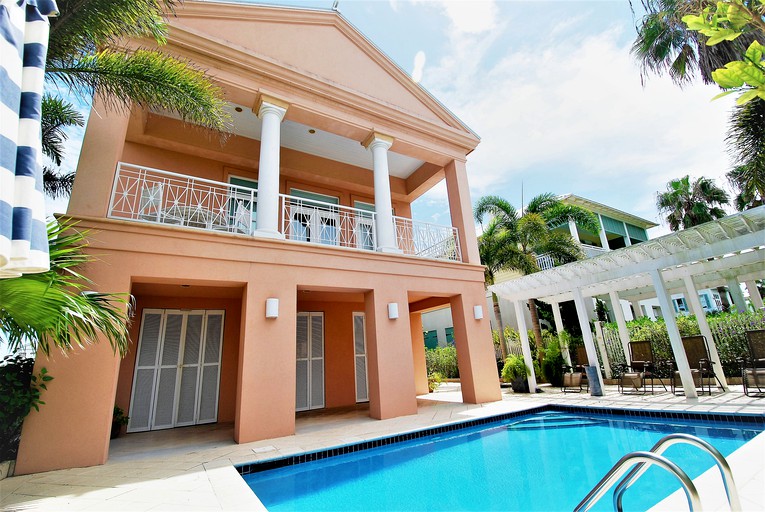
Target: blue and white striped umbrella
{"x":24,"y":32}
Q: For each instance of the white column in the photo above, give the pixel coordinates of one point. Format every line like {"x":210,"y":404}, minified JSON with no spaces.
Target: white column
{"x":559,"y":328}
{"x":524,"y":333}
{"x":674,"y":334}
{"x":734,"y":288}
{"x":692,"y":297}
{"x":385,"y":234}
{"x":621,"y":323}
{"x":637,"y":311}
{"x":602,"y":233}
{"x":600,"y":338}
{"x":627,"y":241}
{"x":754,"y":295}
{"x":573,"y":230}
{"x":589,"y":344}
{"x":271,"y":112}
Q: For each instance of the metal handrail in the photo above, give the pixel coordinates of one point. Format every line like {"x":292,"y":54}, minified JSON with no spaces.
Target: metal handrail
{"x":660,"y":447}
{"x":643,"y":458}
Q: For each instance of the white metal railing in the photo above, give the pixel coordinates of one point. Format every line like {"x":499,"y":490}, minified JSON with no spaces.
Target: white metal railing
{"x":593,"y":250}
{"x":306,"y":220}
{"x":152,"y":195}
{"x":427,"y":240}
{"x":545,"y":262}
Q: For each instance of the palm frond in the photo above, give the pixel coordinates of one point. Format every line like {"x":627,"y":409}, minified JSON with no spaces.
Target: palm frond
{"x":150,"y":79}
{"x":57,"y":115}
{"x":497,"y":208}
{"x":57,"y":185}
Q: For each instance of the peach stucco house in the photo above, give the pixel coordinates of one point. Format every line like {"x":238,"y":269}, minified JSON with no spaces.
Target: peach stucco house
{"x":279,"y":271}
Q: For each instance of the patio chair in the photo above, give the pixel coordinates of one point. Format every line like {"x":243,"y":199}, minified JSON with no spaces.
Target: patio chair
{"x":574,"y":376}
{"x":702,"y":367}
{"x":753,"y":364}
{"x":635,"y":376}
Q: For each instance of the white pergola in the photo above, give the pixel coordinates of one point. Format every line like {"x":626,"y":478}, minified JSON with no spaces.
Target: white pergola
{"x":726,"y":252}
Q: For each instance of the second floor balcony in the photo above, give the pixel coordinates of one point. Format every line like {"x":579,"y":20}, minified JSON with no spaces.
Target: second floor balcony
{"x":161,"y":197}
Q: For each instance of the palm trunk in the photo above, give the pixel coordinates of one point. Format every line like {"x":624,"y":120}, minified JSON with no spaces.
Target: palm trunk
{"x":537,"y":330}
{"x":500,"y":325}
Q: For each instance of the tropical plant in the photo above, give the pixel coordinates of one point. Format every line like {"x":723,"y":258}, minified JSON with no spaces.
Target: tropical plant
{"x":746,"y":144}
{"x":515,"y":368}
{"x":434,"y":380}
{"x":552,"y":365}
{"x":56,"y":308}
{"x":687,"y":204}
{"x":87,"y":55}
{"x":442,"y":360}
{"x":511,"y":242}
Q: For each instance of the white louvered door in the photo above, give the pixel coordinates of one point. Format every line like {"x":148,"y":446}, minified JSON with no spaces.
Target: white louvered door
{"x":309,"y":390}
{"x":360,"y":357}
{"x":177,"y":370}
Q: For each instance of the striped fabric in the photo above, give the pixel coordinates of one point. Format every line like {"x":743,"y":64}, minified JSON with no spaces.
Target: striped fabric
{"x":23,"y":47}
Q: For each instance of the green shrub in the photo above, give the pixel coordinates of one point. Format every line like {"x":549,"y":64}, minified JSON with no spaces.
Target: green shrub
{"x":515,"y":368}
{"x":442,"y":360}
{"x":20,"y":391}
{"x":552,"y":364}
{"x":434,"y":380}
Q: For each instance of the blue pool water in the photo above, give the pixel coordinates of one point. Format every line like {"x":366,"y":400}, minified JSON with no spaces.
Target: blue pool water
{"x":547,"y":461}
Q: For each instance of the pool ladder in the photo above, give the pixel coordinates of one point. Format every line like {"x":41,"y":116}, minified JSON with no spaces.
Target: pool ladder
{"x":641,"y":460}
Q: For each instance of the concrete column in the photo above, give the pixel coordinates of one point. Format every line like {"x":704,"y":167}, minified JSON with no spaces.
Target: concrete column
{"x":602,"y":233}
{"x":692,"y":296}
{"x":627,"y":241}
{"x":589,"y":343}
{"x":636,"y":309}
{"x":475,"y":350}
{"x":271,"y":111}
{"x":418,"y":353}
{"x":390,"y":362}
{"x":384,"y":229}
{"x":524,"y":333}
{"x":559,"y":328}
{"x":621,"y":323}
{"x":734,"y":289}
{"x":573,"y":230}
{"x":101,"y":151}
{"x":461,"y":210}
{"x":267,"y":354}
{"x":72,"y":429}
{"x":674,"y":334}
{"x":754,"y":295}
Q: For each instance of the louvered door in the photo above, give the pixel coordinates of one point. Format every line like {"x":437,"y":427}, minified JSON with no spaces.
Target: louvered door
{"x":177,"y":372}
{"x":360,"y":357}
{"x":309,"y":390}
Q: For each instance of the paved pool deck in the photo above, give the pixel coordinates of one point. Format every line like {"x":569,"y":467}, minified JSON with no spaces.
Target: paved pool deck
{"x":192,"y":468}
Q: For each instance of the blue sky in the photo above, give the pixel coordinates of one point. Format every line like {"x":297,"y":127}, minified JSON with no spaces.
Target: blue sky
{"x":554,"y":94}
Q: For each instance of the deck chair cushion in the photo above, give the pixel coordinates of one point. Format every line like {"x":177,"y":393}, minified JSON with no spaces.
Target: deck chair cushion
{"x":572,"y":380}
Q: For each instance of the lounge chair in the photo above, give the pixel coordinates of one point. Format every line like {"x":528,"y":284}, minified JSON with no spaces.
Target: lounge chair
{"x":753,"y":364}
{"x":574,"y":376}
{"x":702,"y":369}
{"x":635,"y":376}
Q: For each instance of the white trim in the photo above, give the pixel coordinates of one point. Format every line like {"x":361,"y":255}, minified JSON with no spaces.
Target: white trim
{"x":355,"y":355}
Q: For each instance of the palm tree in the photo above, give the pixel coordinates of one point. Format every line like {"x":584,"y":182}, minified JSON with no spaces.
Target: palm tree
{"x":664,"y":45}
{"x":515,"y":243}
{"x":746,"y":143}
{"x":688,"y":204}
{"x":85,"y":55}
{"x":55,"y":308}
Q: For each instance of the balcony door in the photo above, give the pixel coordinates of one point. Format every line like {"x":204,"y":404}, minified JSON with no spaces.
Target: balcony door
{"x":309,"y":393}
{"x":241,"y":204}
{"x":177,"y":371}
{"x":314,"y":218}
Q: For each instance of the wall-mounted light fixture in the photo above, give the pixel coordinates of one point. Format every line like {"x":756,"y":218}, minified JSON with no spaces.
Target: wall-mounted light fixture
{"x":477,"y":312}
{"x":272,"y":308}
{"x":392,"y":310}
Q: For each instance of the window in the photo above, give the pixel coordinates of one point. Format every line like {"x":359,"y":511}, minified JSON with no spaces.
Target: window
{"x":241,"y":204}
{"x":314,"y":217}
{"x":364,"y":225}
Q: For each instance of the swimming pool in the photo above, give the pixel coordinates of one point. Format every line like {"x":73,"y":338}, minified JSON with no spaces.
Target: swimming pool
{"x":547,"y":460}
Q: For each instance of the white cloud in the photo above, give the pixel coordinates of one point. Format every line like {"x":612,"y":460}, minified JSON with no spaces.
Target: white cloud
{"x":577,"y":112}
{"x":468,"y":17}
{"x":419,"y":65}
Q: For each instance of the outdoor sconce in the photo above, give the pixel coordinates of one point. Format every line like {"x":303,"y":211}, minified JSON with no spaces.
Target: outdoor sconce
{"x":392,"y":310}
{"x":272,"y":308}
{"x":477,"y":312}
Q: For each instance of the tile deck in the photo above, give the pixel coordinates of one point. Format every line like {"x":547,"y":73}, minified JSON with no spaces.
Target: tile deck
{"x":193,"y":468}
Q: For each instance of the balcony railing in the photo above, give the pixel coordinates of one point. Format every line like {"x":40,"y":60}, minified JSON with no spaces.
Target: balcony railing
{"x":592,"y":251}
{"x":151,"y":195}
{"x":546,"y":262}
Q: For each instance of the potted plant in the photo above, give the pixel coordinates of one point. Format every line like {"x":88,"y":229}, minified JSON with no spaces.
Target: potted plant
{"x":434,"y":379}
{"x":118,"y":419}
{"x":516,"y":372}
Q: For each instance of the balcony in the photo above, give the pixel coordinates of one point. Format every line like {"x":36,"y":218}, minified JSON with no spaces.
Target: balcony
{"x":546,"y":262}
{"x":155,"y":196}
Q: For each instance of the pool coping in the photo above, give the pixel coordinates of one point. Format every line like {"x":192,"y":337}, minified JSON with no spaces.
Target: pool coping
{"x":334,"y":451}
